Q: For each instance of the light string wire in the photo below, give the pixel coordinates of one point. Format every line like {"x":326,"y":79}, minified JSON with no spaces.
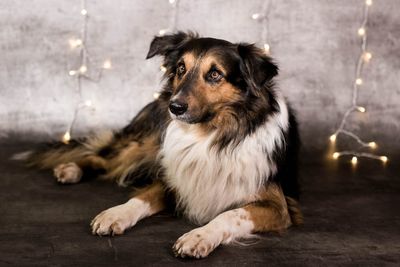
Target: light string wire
{"x":171,"y":28}
{"x":263,"y":17}
{"x":364,"y":57}
{"x":83,"y":72}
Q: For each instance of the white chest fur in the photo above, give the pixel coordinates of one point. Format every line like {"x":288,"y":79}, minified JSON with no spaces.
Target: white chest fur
{"x":208,"y":182}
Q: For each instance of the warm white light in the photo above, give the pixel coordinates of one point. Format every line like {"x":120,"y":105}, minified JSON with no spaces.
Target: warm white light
{"x":162,"y":31}
{"x":267,"y":48}
{"x":361,"y":109}
{"x":156,"y":95}
{"x":384,"y":159}
{"x":359,"y":81}
{"x":255,"y":16}
{"x":66,"y":137}
{"x":368,"y":2}
{"x":372,"y":144}
{"x":88,"y":103}
{"x":336,"y":155}
{"x":83,"y":69}
{"x":367,"y":56}
{"x":84,"y":12}
{"x":73,"y":43}
{"x":361,"y":31}
{"x":332,"y":138}
{"x":354,"y":160}
{"x":171,"y":1}
{"x":107,"y":64}
{"x":72,"y":72}
{"x":163,"y":68}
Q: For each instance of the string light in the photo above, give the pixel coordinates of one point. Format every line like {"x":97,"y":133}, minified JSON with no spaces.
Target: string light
{"x":82,"y":72}
{"x":171,"y":28}
{"x":263,"y":18}
{"x":365,"y":57}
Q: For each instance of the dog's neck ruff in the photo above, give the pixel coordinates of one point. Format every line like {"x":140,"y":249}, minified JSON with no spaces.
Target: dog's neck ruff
{"x":207,"y":181}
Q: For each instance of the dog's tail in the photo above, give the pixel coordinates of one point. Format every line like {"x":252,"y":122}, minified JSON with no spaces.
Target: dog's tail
{"x":50,"y":155}
{"x":295,"y":213}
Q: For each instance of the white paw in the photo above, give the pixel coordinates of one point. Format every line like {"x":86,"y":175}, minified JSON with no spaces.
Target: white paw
{"x":198,"y":243}
{"x":68,"y":173}
{"x":114,"y":221}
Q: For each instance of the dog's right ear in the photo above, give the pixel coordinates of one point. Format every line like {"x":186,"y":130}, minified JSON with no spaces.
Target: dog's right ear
{"x":163,"y":45}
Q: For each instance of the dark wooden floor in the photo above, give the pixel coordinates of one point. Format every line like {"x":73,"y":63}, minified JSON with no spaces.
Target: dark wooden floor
{"x":352,"y":219}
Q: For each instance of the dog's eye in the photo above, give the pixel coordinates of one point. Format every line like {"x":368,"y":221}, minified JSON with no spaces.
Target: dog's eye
{"x":214,"y":76}
{"x":180,"y":70}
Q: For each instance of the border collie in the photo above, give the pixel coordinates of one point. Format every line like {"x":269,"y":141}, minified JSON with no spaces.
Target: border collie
{"x":221,"y":142}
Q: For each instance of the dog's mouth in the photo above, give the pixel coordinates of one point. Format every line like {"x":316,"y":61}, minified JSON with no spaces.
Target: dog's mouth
{"x":186,"y":117}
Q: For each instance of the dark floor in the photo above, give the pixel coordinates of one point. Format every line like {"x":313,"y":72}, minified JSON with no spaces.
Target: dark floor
{"x":352,"y":219}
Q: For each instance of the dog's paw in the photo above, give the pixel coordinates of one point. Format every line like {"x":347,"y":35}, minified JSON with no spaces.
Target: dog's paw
{"x":113,"y":221}
{"x":198,"y":243}
{"x":68,"y":173}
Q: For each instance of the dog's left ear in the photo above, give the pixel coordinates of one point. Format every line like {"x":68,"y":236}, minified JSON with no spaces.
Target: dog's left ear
{"x":257,"y":67}
{"x":164,"y":45}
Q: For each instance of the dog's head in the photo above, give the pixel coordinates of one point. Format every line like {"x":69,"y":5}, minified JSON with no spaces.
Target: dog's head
{"x":208,"y":77}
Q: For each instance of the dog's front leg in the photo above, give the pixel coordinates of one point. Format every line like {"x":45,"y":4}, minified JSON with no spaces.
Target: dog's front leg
{"x":117,"y":219}
{"x":270,"y":213}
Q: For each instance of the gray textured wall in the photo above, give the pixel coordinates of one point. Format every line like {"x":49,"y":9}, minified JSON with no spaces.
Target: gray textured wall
{"x":314,"y":42}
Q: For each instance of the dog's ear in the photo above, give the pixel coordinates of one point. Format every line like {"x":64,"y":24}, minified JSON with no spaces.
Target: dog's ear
{"x":257,"y":68}
{"x":163,"y":45}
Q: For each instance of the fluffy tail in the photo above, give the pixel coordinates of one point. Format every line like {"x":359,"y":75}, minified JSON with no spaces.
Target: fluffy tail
{"x":52,"y":154}
{"x":294,"y":211}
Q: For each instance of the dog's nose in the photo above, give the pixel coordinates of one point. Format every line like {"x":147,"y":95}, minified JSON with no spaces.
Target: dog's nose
{"x":178,"y":108}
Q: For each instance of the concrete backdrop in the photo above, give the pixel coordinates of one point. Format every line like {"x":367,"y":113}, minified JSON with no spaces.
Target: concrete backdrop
{"x":315,"y":43}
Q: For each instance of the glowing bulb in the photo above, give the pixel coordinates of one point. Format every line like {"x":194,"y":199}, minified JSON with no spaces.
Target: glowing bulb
{"x":66,"y":137}
{"x":107,"y":64}
{"x":156,"y":95}
{"x":372,"y":144}
{"x":163,"y":68}
{"x":171,"y":1}
{"x":354,"y":160}
{"x":361,"y":109}
{"x":359,"y":81}
{"x":73,"y":43}
{"x":367,"y":56}
{"x":361,"y":31}
{"x":266,"y":48}
{"x":332,"y":138}
{"x":162,"y":31}
{"x":84,"y":12}
{"x":336,"y":155}
{"x":368,"y":2}
{"x":83,"y":69}
{"x":255,"y":16}
{"x":88,"y":103}
{"x":384,"y":159}
{"x":72,"y":72}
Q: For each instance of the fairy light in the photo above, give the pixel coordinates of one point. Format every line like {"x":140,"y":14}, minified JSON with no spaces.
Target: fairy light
{"x":264,"y":20}
{"x":367,"y":56}
{"x":364,"y":57}
{"x":361,"y":31}
{"x":107,"y":64}
{"x":82,"y":73}
{"x":361,"y":109}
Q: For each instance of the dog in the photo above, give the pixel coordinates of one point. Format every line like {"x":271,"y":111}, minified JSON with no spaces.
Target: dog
{"x":220,"y":145}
